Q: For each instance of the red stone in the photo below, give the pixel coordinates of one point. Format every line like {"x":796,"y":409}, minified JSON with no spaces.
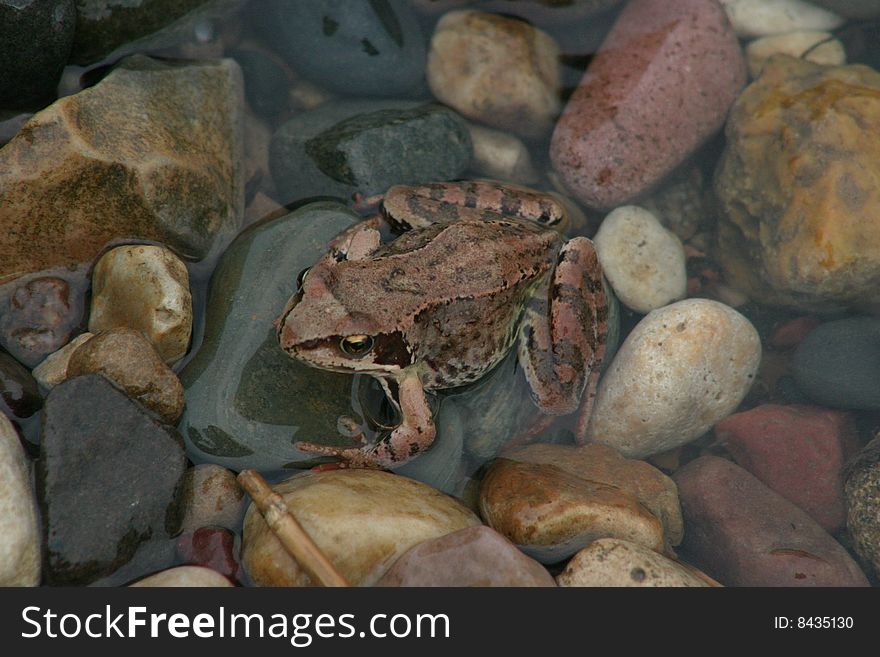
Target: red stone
{"x":660,"y":85}
{"x":789,"y":334}
{"x":212,"y":547}
{"x":743,"y":534}
{"x":798,"y":451}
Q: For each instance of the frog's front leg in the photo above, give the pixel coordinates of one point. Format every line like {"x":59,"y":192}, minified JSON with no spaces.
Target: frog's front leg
{"x":563,"y":333}
{"x":413,"y":435}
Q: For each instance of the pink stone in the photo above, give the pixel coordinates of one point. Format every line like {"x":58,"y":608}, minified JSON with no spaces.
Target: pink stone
{"x":798,"y":451}
{"x":743,"y":534}
{"x":212,"y":547}
{"x":660,"y":85}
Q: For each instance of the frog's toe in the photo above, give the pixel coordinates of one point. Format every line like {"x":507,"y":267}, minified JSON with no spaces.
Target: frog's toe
{"x":352,"y":457}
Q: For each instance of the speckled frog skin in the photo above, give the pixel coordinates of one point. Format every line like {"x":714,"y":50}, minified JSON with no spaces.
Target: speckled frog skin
{"x":477,"y":270}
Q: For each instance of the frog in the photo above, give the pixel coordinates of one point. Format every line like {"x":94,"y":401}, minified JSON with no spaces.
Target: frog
{"x":476,"y":269}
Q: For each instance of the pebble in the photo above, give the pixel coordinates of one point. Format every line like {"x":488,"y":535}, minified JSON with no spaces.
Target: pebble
{"x":551,"y":514}
{"x":362,"y":520}
{"x":211,"y":547}
{"x":644,"y":262}
{"x":755,"y":18}
{"x":683,"y":202}
{"x":35,"y":41}
{"x":499,"y":155}
{"x":619,"y":563}
{"x":497,"y":70}
{"x":837,"y":363}
{"x":145,"y":288}
{"x":20,"y":531}
{"x":744,"y":534}
{"x":108,"y":476}
{"x":190,"y":576}
{"x":165,"y":190}
{"x":616,"y":140}
{"x":476,"y":556}
{"x":816,"y":187}
{"x":128,"y":359}
{"x":813,"y":46}
{"x":683,"y":368}
{"x":53,"y":369}
{"x":365,"y":147}
{"x":362,"y":48}
{"x":863,"y":503}
{"x":600,"y":463}
{"x":41,"y":313}
{"x":797,"y":451}
{"x":791,"y":333}
{"x":211,"y":496}
{"x":10,"y":124}
{"x":19,"y":395}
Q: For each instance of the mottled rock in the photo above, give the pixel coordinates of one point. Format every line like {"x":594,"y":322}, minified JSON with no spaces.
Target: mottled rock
{"x":863,"y":503}
{"x":476,"y":556}
{"x":365,"y":48}
{"x":184,"y":576}
{"x":660,"y":85}
{"x":349,"y":147}
{"x":683,"y":368}
{"x":836,"y":364}
{"x":797,"y":451}
{"x":107,"y":479}
{"x":53,"y":370}
{"x":211,"y":496}
{"x":19,"y":396}
{"x":38,"y":315}
{"x":35,"y":41}
{"x":798,"y":221}
{"x":551,"y":514}
{"x":151,"y":152}
{"x":500,"y":155}
{"x":145,"y":288}
{"x":751,"y":18}
{"x":683,"y":202}
{"x":644,"y":262}
{"x":19,"y":517}
{"x":496,"y":70}
{"x":211,"y":547}
{"x":363,"y":521}
{"x":601,"y":464}
{"x":130,"y":361}
{"x":615,"y":562}
{"x":813,"y":46}
{"x":744,"y":534}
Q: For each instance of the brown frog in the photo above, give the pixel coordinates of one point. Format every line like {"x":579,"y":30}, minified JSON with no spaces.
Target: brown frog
{"x":477,"y":270}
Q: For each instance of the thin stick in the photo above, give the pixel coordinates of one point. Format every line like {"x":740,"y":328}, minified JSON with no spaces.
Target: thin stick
{"x":291,"y":534}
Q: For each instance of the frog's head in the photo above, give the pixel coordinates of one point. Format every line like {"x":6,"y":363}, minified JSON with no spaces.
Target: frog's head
{"x":329,"y":328}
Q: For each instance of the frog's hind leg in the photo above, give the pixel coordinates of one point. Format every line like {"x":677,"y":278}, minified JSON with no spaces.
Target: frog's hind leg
{"x":414,"y":434}
{"x":563,"y":333}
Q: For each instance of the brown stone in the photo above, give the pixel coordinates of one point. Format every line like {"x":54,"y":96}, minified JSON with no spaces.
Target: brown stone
{"x":128,"y":359}
{"x":800,"y":220}
{"x":150,"y":152}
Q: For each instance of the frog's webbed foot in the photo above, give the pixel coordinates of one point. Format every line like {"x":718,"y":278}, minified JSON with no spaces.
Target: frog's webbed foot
{"x":563,"y":334}
{"x":413,"y":435}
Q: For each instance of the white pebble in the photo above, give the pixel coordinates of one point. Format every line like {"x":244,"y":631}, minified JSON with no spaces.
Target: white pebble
{"x":829,"y":52}
{"x":682,"y":369}
{"x":500,"y":155}
{"x":19,"y":526}
{"x":754,"y":18}
{"x":644,"y":262}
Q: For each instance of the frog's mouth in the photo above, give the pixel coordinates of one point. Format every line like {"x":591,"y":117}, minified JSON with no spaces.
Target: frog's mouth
{"x":388,"y":354}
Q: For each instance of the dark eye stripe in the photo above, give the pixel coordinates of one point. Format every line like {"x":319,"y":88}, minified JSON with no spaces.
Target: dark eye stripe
{"x":391,"y":349}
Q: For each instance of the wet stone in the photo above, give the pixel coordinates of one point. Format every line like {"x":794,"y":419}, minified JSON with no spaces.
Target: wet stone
{"x":185,"y":576}
{"x":211,"y":547}
{"x":212,"y":496}
{"x":53,"y":369}
{"x":863,"y":503}
{"x":19,"y":395}
{"x":107,"y":480}
{"x":19,"y":517}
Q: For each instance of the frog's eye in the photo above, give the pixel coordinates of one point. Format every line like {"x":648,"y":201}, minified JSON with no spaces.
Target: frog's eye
{"x":356,"y":345}
{"x":303,"y":275}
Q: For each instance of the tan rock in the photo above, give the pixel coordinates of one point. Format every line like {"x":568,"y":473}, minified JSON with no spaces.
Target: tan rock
{"x":184,"y":576}
{"x":551,"y":514}
{"x":129,"y":360}
{"x":212,"y":496}
{"x":500,"y":155}
{"x":150,"y":152}
{"x":146,"y":288}
{"x":800,"y":205}
{"x":53,"y":369}
{"x":602,"y":464}
{"x":19,"y":518}
{"x":613,"y":562}
{"x":814,"y":46}
{"x":363,"y":521}
{"x":497,"y":70}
